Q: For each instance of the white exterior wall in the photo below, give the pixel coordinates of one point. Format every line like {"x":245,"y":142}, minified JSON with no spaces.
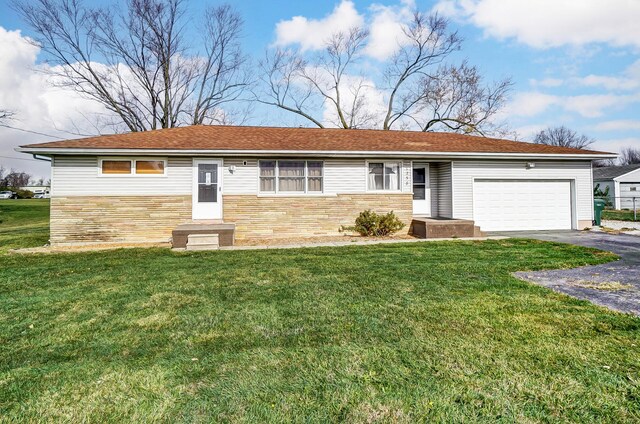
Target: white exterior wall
{"x":341,"y":176}
{"x":445,"y":195}
{"x":464,"y":173}
{"x":627,"y":195}
{"x":80,"y":176}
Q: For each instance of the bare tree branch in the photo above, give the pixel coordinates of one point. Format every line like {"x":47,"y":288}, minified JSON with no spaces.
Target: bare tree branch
{"x":135,"y":60}
{"x":629,"y":156}
{"x":421,"y":90}
{"x":563,"y":137}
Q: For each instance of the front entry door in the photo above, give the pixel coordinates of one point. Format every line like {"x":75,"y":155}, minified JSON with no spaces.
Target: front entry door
{"x":207,"y":189}
{"x":421,"y":190}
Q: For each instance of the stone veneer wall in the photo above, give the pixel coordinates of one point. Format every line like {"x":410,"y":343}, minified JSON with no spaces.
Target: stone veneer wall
{"x":307,"y":216}
{"x":117,"y":219}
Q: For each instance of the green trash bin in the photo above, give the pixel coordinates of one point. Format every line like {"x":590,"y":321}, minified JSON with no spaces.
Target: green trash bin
{"x":598,"y":207}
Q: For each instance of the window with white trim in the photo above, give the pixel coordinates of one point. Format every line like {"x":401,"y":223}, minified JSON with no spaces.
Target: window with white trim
{"x":384,"y":176}
{"x":291,"y":176}
{"x":133,"y":166}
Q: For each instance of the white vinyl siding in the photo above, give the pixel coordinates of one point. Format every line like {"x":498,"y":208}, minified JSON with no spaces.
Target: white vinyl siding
{"x":243,"y":179}
{"x":464,"y":173}
{"x":433,"y":185}
{"x":627,"y":194}
{"x":445,"y":196}
{"x":344,"y":176}
{"x":80,"y":176}
{"x":341,"y":176}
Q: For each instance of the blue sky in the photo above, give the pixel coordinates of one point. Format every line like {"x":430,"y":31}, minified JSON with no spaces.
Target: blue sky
{"x":573,"y":62}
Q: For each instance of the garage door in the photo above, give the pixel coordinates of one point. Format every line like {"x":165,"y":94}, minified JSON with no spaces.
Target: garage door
{"x":512,"y":205}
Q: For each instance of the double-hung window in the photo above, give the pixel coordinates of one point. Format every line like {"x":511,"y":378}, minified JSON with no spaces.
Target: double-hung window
{"x":133,"y":166}
{"x":384,"y":176}
{"x":291,"y":176}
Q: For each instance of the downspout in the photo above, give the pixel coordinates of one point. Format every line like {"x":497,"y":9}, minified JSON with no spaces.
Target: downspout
{"x":35,"y":156}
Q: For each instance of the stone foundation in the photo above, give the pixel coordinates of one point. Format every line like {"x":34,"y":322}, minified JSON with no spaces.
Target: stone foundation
{"x":117,"y":219}
{"x":307,"y":216}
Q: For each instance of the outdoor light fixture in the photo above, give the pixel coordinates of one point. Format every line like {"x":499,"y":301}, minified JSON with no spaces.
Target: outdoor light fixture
{"x":531,"y":165}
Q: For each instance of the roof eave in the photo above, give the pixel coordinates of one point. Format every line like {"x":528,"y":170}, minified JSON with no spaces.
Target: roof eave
{"x":44,"y":151}
{"x":625,"y":174}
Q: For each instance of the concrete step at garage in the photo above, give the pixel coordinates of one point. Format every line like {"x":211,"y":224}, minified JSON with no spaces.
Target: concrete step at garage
{"x":444,"y":228}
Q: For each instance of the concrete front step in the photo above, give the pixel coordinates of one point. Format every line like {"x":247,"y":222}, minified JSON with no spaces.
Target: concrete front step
{"x":203,"y":247}
{"x":203,"y":242}
{"x":181,"y":233}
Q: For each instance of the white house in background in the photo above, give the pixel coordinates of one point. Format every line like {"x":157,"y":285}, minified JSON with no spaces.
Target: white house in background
{"x":261,"y":182}
{"x":623,"y":183}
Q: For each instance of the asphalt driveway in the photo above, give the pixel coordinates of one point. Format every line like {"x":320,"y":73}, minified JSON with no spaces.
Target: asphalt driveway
{"x":615,"y":285}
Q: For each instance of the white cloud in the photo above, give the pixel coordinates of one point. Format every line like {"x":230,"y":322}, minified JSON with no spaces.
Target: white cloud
{"x":546,"y":82}
{"x":552,"y":23}
{"x":595,"y":105}
{"x":384,"y":22}
{"x":618,"y":125}
{"x":532,"y":103}
{"x":38,"y":106}
{"x":527,"y":132}
{"x":628,"y":80}
{"x":616,"y":145}
{"x":386,"y":29}
{"x":311,"y":34}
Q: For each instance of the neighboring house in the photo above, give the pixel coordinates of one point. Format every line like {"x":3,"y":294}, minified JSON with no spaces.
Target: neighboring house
{"x":623,"y":183}
{"x":302,"y":182}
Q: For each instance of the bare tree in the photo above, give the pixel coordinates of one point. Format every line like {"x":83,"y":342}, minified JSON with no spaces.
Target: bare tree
{"x":15,"y":179}
{"x":420,"y":90}
{"x":602,"y":163}
{"x":563,"y":137}
{"x":3,"y":181}
{"x":136,"y":60}
{"x":629,"y":156}
{"x":294,"y":84}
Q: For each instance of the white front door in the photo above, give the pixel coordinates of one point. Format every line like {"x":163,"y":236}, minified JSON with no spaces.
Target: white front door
{"x":512,"y":205}
{"x":421,"y":190}
{"x":207,"y":189}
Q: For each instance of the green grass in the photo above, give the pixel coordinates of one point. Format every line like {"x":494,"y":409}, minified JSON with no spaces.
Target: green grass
{"x":391,"y":333}
{"x":617,"y":215}
{"x":23,"y":223}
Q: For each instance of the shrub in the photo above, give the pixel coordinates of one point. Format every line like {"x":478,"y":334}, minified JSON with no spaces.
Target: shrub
{"x":369,"y":223}
{"x":22,"y":194}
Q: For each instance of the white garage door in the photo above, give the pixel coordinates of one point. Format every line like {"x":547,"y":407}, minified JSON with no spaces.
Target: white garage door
{"x":512,"y":205}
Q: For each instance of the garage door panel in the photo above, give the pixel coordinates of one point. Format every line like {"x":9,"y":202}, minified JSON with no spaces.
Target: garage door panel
{"x":511,"y":205}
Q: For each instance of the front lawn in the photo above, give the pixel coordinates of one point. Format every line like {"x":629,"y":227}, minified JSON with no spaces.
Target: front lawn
{"x":23,"y":223}
{"x":617,"y":215}
{"x":392,"y":333}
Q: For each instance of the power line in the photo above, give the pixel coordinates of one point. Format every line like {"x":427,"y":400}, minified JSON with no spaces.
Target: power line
{"x":9,"y":157}
{"x":30,"y":131}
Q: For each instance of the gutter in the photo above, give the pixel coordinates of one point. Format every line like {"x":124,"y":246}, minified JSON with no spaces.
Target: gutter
{"x":312,"y":153}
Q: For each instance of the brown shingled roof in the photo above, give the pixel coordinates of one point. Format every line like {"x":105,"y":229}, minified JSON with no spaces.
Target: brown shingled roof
{"x":220,"y":138}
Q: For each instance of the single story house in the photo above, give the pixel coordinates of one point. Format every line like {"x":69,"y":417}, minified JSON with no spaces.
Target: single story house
{"x":267,"y":182}
{"x":623,"y":183}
